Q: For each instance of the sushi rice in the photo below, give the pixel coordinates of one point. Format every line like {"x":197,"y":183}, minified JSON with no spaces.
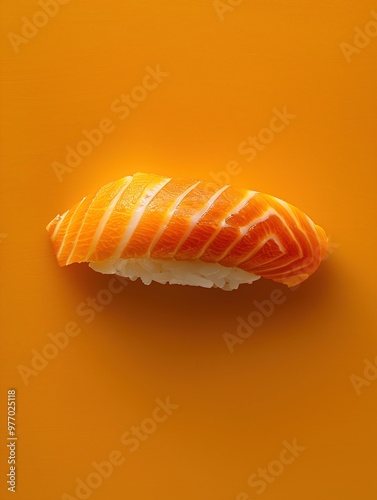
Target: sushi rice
{"x":174,"y":272}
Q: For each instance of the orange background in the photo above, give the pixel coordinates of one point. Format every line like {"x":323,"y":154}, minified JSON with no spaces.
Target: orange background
{"x":291,"y":378}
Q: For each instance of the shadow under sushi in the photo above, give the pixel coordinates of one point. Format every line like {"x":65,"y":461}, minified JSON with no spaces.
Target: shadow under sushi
{"x":208,"y":311}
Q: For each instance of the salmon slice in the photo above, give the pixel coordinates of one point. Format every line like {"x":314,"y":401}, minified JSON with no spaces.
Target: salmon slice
{"x":147,"y":217}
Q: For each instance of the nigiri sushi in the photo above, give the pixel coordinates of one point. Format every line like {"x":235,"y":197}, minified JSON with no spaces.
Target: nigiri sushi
{"x":188,"y":232}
